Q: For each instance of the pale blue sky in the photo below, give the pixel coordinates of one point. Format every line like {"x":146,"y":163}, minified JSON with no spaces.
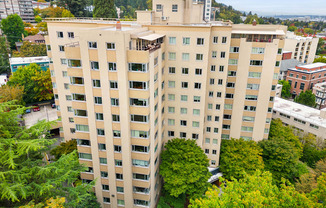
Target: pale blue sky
{"x":279,"y":7}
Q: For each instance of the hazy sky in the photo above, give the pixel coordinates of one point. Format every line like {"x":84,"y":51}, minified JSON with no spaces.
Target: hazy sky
{"x":272,"y":7}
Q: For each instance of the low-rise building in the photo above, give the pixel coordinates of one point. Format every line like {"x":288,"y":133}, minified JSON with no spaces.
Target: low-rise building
{"x":320,"y":91}
{"x":303,"y":118}
{"x":40,"y":5}
{"x":286,"y":63}
{"x":38,"y":39}
{"x":3,"y":79}
{"x":42,"y":61}
{"x":304,"y":77}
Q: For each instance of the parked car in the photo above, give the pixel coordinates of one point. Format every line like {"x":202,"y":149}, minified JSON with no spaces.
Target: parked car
{"x":53,"y":105}
{"x":36,"y":108}
{"x":28,"y":110}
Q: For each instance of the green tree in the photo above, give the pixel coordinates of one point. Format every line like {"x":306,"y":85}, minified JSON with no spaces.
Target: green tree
{"x":4,"y":57}
{"x":239,"y":157}
{"x":38,"y":19}
{"x":184,"y":168}
{"x":306,"y":183}
{"x":309,"y":31}
{"x":306,"y":98}
{"x":64,"y":148}
{"x":292,"y":28}
{"x":311,"y":155}
{"x":10,"y":93}
{"x":37,"y":83}
{"x":319,"y":194}
{"x":320,"y":59}
{"x":29,"y":49}
{"x":256,"y":190}
{"x":13,"y":28}
{"x":104,"y":9}
{"x":280,"y":158}
{"x":25,"y":174}
{"x":286,"y":88}
{"x":76,"y":7}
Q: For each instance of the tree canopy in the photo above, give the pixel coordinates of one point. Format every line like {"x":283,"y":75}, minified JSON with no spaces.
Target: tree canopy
{"x":76,"y":7}
{"x":9,"y":93}
{"x":13,"y":28}
{"x":239,"y":157}
{"x":184,"y":168}
{"x":257,"y":190}
{"x":25,"y":174}
{"x":37,"y":83}
{"x":104,"y":9}
{"x":4,"y":57}
{"x":306,"y":98}
{"x":320,"y":59}
{"x":64,"y":148}
{"x":286,"y":89}
{"x":29,"y":49}
{"x":53,"y":12}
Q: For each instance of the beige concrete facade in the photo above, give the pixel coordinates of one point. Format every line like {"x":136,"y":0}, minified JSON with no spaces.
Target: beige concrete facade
{"x":303,"y":48}
{"x":200,"y":81}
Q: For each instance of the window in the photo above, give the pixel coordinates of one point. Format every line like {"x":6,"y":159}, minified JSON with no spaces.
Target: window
{"x":138,"y":85}
{"x":60,"y":34}
{"x":110,"y":46}
{"x":249,"y":108}
{"x":234,"y":50}
{"x":92,"y":45}
{"x":119,"y":176}
{"x":184,"y":84}
{"x":185,"y":56}
{"x":48,"y":47}
{"x":141,"y":163}
{"x":183,"y":123}
{"x":255,"y":50}
{"x":185,"y":70}
{"x":254,"y":74}
{"x":198,"y":71}
{"x":197,"y":85}
{"x":98,"y":100}
{"x":171,"y":109}
{"x":247,"y":128}
{"x":101,"y":146}
{"x":220,"y":82}
{"x":78,"y":97}
{"x":279,"y":51}
{"x":171,"y":70}
{"x":116,"y":133}
{"x":233,"y":61}
{"x":251,"y":97}
{"x":211,"y":82}
{"x":256,"y":63}
{"x":184,"y":97}
{"x":314,"y":126}
{"x":206,"y":151}
{"x":229,"y":95}
{"x":171,"y":133}
{"x":186,"y":41}
{"x":224,"y":39}
{"x":138,"y":102}
{"x":183,"y":110}
{"x":85,"y":156}
{"x":113,"y":85}
{"x":217,"y":119}
{"x":113,"y":66}
{"x":215,"y":39}
{"x":172,"y":40}
{"x":158,"y":7}
{"x":96,"y":83}
{"x":69,"y":109}
{"x":253,"y":86}
{"x":248,"y":119}
{"x":117,"y":148}
{"x":230,"y":85}
{"x":171,"y":122}
{"x":200,"y":41}
{"x":227,"y":127}
{"x":120,"y":189}
{"x":302,"y":86}
{"x":171,"y":84}
{"x":171,"y":97}
{"x":210,"y":106}
{"x":139,"y":118}
{"x":172,"y":56}
{"x":75,"y":63}
{"x":71,"y":35}
{"x":104,"y":174}
{"x":115,"y":101}
{"x":100,"y":132}
{"x":106,"y":199}
{"x":139,"y":176}
{"x":61,"y":48}
{"x":222,"y":54}
{"x":139,"y":134}
{"x":138,"y":67}
{"x":115,"y":118}
{"x":83,"y":128}
{"x":209,"y":118}
{"x":174,"y":8}
{"x":83,"y":142}
{"x":232,"y":73}
{"x":199,"y":57}
{"x":71,"y":120}
{"x":195,"y":124}
{"x":63,"y":61}
{"x":66,"y":86}
{"x":277,"y":63}
{"x":106,"y":188}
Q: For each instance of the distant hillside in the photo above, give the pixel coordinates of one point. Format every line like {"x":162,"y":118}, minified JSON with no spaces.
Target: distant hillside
{"x":228,"y":13}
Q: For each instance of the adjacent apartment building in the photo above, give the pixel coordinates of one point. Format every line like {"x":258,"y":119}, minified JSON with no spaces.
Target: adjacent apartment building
{"x":304,"y":77}
{"x":23,"y":8}
{"x":123,"y":89}
{"x":303,"y":48}
{"x":320,"y":92}
{"x":303,"y":118}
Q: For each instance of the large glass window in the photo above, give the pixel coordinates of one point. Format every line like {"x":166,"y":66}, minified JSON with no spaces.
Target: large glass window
{"x":254,"y":74}
{"x":139,"y":134}
{"x":139,"y":176}
{"x":139,"y":118}
{"x":83,"y":142}
{"x":138,"y":148}
{"x":74,"y":63}
{"x":142,"y":163}
{"x":256,"y":50}
{"x":256,"y":63}
{"x":138,"y":102}
{"x":138,"y":67}
{"x":95,"y":65}
{"x":138,"y":85}
{"x":82,"y":113}
{"x":80,"y":127}
{"x":85,"y":156}
{"x":76,"y":80}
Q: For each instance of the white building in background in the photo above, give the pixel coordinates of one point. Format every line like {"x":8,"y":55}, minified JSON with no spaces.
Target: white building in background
{"x":23,"y":8}
{"x":301,"y":117}
{"x":303,"y":48}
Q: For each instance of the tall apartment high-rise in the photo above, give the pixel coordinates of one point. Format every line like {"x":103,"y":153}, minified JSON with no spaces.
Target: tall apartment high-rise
{"x":23,"y":8}
{"x":124,"y":89}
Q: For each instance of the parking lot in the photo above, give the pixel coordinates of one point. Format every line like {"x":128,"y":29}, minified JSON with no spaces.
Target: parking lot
{"x":46,"y":112}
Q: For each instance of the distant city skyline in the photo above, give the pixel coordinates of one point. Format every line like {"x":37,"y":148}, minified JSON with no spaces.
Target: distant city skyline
{"x":278,"y":7}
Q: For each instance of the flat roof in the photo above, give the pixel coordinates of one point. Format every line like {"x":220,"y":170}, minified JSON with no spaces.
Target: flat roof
{"x":259,"y":32}
{"x":314,"y":65}
{"x":299,"y":111}
{"x":24,"y":60}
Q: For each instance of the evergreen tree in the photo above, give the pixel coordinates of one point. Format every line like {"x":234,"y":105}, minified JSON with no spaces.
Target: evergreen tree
{"x":104,"y":9}
{"x":13,"y":28}
{"x":4,"y":58}
{"x":306,"y":98}
{"x":76,"y":7}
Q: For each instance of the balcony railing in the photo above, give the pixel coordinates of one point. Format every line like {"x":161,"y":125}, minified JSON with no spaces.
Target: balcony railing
{"x":150,"y":47}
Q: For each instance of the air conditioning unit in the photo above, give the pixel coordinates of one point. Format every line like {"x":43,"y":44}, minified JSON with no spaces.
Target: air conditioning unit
{"x":164,"y":18}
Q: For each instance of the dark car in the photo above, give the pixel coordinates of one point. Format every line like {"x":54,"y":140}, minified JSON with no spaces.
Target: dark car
{"x":53,"y":105}
{"x":36,"y":108}
{"x":28,"y":110}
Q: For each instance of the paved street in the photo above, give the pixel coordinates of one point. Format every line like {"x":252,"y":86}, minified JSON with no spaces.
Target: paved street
{"x":46,"y":112}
